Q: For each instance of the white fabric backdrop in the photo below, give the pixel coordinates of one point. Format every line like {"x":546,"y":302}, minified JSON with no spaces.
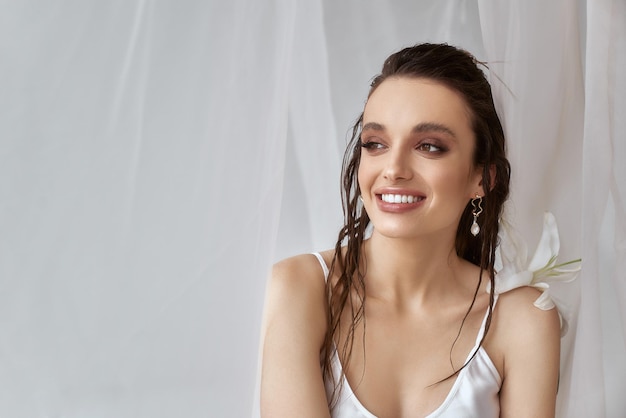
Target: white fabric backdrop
{"x":156,"y":157}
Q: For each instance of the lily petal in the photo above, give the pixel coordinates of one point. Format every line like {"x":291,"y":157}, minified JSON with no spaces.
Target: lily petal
{"x":506,"y":283}
{"x":513,"y":269}
{"x":544,"y":302}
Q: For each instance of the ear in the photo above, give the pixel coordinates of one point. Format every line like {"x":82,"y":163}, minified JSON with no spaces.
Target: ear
{"x":479,"y":181}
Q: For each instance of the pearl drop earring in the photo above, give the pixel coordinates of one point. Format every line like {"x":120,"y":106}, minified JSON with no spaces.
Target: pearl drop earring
{"x":476,"y":204}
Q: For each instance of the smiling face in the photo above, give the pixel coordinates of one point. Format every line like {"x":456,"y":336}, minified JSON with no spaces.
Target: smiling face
{"x":416,"y":172}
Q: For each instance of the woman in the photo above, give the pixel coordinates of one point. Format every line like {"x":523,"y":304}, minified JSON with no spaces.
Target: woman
{"x":404,"y":323}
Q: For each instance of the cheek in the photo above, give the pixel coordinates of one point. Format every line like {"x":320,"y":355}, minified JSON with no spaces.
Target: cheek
{"x":452,"y":182}
{"x":450,"y":174}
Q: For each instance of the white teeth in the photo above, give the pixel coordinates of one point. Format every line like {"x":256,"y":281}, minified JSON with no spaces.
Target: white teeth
{"x":399,"y":198}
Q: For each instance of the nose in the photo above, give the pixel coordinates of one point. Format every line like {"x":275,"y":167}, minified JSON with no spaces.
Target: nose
{"x":398,"y":165}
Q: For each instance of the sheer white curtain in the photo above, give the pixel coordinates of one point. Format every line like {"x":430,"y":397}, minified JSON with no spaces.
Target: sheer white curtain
{"x":157,"y":156}
{"x":599,"y":353}
{"x":141,"y":165}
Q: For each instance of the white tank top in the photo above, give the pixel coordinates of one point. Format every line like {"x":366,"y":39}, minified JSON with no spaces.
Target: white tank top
{"x":473,"y":394}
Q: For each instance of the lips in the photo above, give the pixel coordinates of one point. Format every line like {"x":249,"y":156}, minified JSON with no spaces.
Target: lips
{"x":400,"y":198}
{"x":399,"y":201}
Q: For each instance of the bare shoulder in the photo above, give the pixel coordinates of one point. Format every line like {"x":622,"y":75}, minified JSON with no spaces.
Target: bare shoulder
{"x":300,"y":266}
{"x":296,"y":290}
{"x":518,"y":318}
{"x":294,"y":328}
{"x":527,"y":341}
{"x":299,"y":275}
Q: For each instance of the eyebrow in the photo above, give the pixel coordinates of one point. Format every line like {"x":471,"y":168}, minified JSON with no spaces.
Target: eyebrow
{"x":419,"y":128}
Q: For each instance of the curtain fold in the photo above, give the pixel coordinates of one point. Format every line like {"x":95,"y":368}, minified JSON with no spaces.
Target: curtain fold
{"x":603,"y":303}
{"x":536,"y":72}
{"x":310,"y":215}
{"x":141,"y":172}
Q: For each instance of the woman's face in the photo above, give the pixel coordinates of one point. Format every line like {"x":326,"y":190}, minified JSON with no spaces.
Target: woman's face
{"x":416,"y":173}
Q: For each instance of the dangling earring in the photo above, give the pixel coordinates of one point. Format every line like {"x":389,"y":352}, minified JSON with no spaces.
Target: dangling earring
{"x":475,"y":229}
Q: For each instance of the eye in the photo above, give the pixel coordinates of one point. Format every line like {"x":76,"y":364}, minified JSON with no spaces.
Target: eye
{"x":372,"y":145}
{"x":431,"y":148}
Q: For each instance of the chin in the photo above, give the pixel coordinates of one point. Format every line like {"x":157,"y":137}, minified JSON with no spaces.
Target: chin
{"x":397,"y":232}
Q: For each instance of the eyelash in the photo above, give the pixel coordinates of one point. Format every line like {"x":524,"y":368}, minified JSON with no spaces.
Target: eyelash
{"x":439,"y":149}
{"x":373,"y":146}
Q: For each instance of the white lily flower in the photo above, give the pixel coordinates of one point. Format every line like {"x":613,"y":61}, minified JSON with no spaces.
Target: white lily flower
{"x":514,"y":269}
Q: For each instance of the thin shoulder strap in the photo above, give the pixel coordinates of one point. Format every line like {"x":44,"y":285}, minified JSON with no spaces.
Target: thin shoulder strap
{"x":481,"y":331}
{"x":323,"y":264}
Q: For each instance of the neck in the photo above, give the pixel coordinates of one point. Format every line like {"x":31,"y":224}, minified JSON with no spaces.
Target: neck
{"x":424,"y":269}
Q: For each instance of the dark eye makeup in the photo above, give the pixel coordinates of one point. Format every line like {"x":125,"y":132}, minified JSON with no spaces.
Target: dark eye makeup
{"x":371,"y":145}
{"x":426,"y":146}
{"x":432,"y":148}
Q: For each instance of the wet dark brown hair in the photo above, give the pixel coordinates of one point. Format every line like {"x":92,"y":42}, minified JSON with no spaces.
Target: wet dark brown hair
{"x":459,"y":70}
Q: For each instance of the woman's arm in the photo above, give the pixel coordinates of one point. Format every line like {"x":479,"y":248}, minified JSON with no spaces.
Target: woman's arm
{"x":293,"y":333}
{"x":531,"y":347}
